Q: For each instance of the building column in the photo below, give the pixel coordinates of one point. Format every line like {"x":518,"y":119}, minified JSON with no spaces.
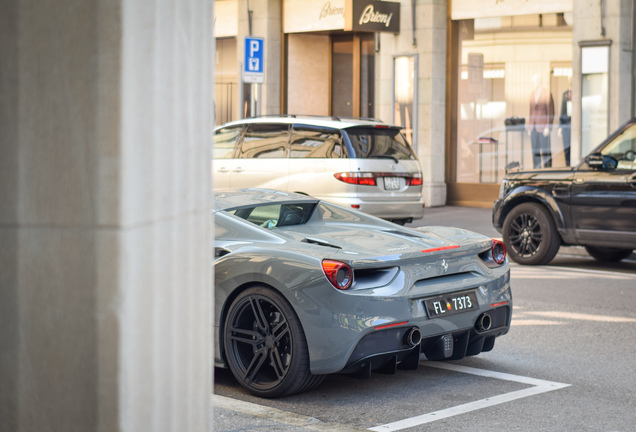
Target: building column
{"x":430,"y":36}
{"x":105,"y":281}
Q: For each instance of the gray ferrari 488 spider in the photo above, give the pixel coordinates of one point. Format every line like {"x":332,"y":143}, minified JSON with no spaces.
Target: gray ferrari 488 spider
{"x":304,"y":288}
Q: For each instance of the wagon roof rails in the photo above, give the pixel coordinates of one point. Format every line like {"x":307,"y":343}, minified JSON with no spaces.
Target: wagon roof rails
{"x":335,"y":118}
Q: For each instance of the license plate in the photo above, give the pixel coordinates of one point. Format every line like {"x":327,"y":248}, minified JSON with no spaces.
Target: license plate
{"x":391,"y":183}
{"x":451,"y":304}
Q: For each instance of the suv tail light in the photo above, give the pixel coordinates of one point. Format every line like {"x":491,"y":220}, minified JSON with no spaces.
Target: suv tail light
{"x":338,"y":273}
{"x":371,"y":178}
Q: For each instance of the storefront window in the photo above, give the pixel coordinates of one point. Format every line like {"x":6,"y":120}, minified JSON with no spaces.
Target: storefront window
{"x":404,"y":91}
{"x":594,"y":99}
{"x":513,"y":95}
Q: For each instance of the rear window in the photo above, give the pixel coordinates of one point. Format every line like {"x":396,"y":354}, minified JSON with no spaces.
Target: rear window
{"x":370,"y":143}
{"x":275,"y":215}
{"x":308,"y":142}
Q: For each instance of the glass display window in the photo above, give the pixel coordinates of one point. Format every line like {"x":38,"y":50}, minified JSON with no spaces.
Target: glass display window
{"x":512,"y":73}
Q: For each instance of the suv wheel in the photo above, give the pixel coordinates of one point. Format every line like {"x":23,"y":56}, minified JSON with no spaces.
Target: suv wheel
{"x":608,"y":254}
{"x":530,"y":234}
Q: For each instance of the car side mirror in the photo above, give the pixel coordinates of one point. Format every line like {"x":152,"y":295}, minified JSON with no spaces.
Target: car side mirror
{"x":595,"y":160}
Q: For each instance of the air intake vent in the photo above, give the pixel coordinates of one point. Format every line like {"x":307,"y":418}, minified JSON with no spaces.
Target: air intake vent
{"x":319,"y":242}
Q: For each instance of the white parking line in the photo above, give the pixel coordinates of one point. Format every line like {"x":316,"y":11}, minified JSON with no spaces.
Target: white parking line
{"x":549,"y":271}
{"x":539,"y":386}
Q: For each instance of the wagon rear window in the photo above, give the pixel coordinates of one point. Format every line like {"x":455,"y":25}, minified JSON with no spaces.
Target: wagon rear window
{"x":370,"y":143}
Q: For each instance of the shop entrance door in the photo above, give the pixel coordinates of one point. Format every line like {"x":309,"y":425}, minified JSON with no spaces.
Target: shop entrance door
{"x":352,"y":76}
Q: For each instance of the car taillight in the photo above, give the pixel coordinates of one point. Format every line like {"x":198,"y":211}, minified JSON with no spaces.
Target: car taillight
{"x":370,"y":178}
{"x":338,"y":273}
{"x":416,"y":180}
{"x":498,"y":251}
{"x":357,"y":178}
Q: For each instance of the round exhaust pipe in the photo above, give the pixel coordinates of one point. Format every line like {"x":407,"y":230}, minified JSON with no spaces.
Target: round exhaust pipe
{"x":413,"y":336}
{"x":484,"y":322}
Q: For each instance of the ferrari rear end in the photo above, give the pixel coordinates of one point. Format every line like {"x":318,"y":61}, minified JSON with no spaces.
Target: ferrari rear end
{"x":442,"y":292}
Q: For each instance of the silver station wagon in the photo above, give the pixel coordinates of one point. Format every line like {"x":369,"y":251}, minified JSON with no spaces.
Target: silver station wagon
{"x":357,"y":163}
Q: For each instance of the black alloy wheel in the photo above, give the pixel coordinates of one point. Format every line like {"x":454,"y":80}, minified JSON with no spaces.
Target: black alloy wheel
{"x":608,"y":254}
{"x":530,"y":234}
{"x":265,"y":345}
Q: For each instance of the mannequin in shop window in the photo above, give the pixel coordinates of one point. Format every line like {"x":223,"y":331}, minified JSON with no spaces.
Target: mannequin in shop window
{"x":540,"y":123}
{"x":564,"y":121}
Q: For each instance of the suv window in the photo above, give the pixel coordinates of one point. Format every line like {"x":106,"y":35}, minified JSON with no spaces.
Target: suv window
{"x":264,"y":141}
{"x":225,"y":141}
{"x":379,"y":142}
{"x":308,"y":142}
{"x":623,"y":149}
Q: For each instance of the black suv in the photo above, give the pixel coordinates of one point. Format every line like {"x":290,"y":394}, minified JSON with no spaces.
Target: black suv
{"x":592,"y":204}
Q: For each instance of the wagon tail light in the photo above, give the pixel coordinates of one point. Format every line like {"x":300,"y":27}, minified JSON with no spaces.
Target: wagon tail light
{"x":338,"y":274}
{"x":370,"y":178}
{"x":498,"y":251}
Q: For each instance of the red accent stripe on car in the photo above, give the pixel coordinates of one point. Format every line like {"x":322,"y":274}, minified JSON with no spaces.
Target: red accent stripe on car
{"x":499,"y":304}
{"x":390,"y":325}
{"x":440,"y":249}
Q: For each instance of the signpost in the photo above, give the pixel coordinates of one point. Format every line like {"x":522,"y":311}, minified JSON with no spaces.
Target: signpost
{"x":253,"y":70}
{"x":253,"y":74}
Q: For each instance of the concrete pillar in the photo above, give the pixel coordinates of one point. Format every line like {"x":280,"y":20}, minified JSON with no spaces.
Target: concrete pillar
{"x":105,"y":284}
{"x":431,"y":44}
{"x":430,"y":34}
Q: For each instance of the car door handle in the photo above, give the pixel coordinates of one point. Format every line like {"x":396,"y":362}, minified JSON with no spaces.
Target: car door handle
{"x":238,"y":169}
{"x":632,"y":181}
{"x":222,"y":170}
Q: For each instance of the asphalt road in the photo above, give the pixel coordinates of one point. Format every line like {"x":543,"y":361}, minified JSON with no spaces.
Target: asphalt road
{"x":567,"y":364}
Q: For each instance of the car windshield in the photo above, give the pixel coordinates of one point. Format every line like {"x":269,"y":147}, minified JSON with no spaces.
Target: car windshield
{"x":370,"y":143}
{"x":275,"y":215}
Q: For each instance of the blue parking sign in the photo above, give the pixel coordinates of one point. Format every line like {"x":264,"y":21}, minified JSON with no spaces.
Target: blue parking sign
{"x":253,"y":69}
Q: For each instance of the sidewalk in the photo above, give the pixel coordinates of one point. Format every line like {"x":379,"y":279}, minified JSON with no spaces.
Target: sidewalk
{"x":232,"y":415}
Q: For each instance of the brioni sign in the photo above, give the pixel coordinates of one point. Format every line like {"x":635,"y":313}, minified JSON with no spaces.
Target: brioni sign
{"x":375,"y":16}
{"x":324,"y":15}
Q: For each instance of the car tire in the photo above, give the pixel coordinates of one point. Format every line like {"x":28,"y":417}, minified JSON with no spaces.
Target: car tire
{"x":608,"y":254}
{"x":265,"y":345}
{"x":530,"y":234}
